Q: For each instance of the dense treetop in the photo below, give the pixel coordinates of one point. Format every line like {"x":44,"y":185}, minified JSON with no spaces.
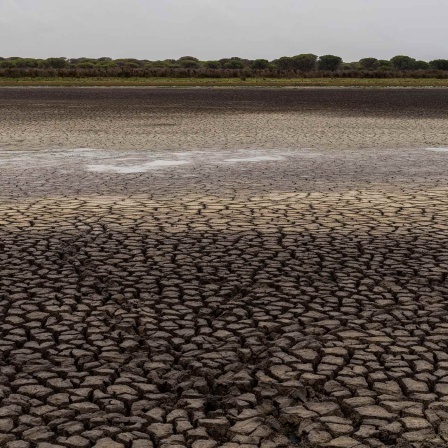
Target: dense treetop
{"x":301,"y":62}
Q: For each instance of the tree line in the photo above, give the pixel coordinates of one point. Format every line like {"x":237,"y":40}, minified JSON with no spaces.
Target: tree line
{"x":287,"y":66}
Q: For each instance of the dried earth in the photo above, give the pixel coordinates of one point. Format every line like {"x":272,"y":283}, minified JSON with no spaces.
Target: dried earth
{"x":222,"y":297}
{"x":200,"y":118}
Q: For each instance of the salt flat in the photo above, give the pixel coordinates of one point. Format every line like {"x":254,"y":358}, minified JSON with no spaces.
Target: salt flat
{"x":287,"y":292}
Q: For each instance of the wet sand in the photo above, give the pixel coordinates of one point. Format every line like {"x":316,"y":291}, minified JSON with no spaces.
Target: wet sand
{"x":211,"y":295}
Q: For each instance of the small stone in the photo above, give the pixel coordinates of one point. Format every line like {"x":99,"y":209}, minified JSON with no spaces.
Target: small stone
{"x":84,"y":407}
{"x":423,"y":435}
{"x":107,"y":442}
{"x":375,"y":412}
{"x":246,"y":426}
{"x":442,"y":388}
{"x":205,"y":444}
{"x":324,"y":407}
{"x":49,"y":445}
{"x":6,"y":424}
{"x":342,"y":442}
{"x":318,"y":438}
{"x":18,"y":444}
{"x":415,"y":423}
{"x":216,"y":427}
{"x":142,"y":443}
{"x":160,"y":430}
{"x":37,"y":434}
{"x":77,"y":442}
{"x":35,"y":391}
{"x":356,"y":402}
{"x":121,"y":389}
{"x":338,"y":429}
{"x":414,"y":387}
{"x":366,"y":431}
{"x":388,"y":388}
{"x":296,"y":414}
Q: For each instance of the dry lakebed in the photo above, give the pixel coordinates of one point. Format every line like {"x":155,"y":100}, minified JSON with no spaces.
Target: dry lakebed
{"x":223,"y":268}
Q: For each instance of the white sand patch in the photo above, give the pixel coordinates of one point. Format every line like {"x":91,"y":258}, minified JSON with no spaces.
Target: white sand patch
{"x":142,"y":168}
{"x":256,"y":159}
{"x":437,"y":149}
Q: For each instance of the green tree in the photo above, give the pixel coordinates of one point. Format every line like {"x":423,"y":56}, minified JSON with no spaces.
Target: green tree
{"x":106,"y":63}
{"x":56,"y":62}
{"x":305,"y":62}
{"x":86,"y":65}
{"x":234,"y":64}
{"x":369,"y":63}
{"x":439,"y":64}
{"x":188,"y":58}
{"x":212,"y":64}
{"x":123,"y":62}
{"x":6,"y":64}
{"x":260,"y":64}
{"x":285,"y":63}
{"x":329,"y":62}
{"x":189,"y":63}
{"x":165,"y":63}
{"x":421,"y":65}
{"x":385,"y":64}
{"x":25,"y":63}
{"x":403,"y":62}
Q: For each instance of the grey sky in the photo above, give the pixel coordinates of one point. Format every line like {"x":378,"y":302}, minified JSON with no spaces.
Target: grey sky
{"x":213,"y":29}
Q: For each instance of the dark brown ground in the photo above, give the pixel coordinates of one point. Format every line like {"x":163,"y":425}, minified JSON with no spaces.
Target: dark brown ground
{"x":297,"y":299}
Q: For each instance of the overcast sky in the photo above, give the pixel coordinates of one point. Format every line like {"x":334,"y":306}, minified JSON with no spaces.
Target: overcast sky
{"x":213,"y":29}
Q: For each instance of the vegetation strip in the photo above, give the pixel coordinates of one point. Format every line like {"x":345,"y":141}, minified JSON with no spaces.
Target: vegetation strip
{"x":299,"y":66}
{"x":224,"y":82}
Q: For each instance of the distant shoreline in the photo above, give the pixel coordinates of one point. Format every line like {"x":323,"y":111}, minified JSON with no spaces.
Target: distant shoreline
{"x":223,"y":82}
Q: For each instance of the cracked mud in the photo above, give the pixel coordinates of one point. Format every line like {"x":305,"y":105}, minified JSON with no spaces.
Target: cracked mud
{"x":290,"y":297}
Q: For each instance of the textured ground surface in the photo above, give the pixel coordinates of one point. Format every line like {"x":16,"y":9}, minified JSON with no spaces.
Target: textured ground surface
{"x":235,"y":298}
{"x":140,"y":118}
